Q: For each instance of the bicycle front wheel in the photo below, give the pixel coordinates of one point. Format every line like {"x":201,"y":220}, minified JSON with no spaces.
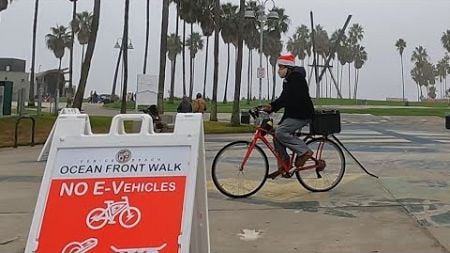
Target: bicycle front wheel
{"x":235,"y":177}
{"x":329,"y":169}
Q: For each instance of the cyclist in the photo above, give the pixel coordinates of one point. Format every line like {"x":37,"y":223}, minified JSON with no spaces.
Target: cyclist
{"x":298,"y":112}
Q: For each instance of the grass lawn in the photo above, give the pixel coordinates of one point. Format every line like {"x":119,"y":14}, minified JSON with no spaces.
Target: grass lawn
{"x":45,"y":122}
{"x":99,"y":124}
{"x":228,"y":107}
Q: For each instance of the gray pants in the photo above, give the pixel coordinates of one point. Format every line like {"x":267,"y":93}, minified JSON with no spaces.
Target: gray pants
{"x":285,"y":137}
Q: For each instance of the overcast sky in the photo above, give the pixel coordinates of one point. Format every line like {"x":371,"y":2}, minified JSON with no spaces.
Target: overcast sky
{"x":419,"y":22}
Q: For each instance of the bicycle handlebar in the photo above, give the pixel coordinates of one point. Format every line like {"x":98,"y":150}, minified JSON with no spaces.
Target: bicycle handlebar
{"x":255,"y":111}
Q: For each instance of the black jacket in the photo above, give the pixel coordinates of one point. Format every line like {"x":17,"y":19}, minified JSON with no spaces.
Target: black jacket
{"x":295,"y":97}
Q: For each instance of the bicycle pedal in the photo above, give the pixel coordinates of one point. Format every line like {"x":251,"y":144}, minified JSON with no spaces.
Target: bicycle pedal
{"x":287,"y":174}
{"x":274,"y":174}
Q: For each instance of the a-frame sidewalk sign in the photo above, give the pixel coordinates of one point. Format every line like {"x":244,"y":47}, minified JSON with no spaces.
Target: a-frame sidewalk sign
{"x":123,"y":192}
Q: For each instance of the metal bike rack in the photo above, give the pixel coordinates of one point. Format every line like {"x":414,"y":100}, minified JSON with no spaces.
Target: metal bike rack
{"x":32,"y":129}
{"x":353,"y":157}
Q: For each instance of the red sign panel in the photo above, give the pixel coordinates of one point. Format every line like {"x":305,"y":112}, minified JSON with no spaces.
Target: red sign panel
{"x":138,"y":215}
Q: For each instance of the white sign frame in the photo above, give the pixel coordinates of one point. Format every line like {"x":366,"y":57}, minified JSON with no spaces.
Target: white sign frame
{"x":73,"y":132}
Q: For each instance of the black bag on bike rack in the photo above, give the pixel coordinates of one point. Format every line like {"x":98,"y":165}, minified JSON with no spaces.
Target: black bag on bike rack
{"x":326,"y":122}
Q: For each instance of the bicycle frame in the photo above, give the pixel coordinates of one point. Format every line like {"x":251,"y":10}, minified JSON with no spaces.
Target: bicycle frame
{"x":286,"y":166}
{"x":121,"y":206}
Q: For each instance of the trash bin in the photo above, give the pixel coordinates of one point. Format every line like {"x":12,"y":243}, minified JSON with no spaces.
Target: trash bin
{"x":447,"y":121}
{"x":245,"y":117}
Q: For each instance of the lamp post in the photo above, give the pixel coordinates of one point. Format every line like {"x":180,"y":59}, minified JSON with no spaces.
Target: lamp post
{"x":262,"y":18}
{"x":118,"y":45}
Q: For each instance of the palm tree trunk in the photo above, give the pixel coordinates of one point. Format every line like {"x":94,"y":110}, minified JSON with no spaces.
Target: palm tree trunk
{"x":418,"y":93}
{"x":206,"y":67}
{"x":172,"y":82}
{"x":235,"y":120}
{"x":274,"y":78}
{"x":227,"y":76}
{"x":147,"y":35}
{"x":355,"y":89}
{"x":213,"y":115}
{"x":403,"y":80}
{"x":33,"y":56}
{"x":355,"y":86}
{"x":90,"y":52}
{"x":251,"y":76}
{"x":58,"y":83}
{"x":191,"y":80}
{"x":123,"y":107}
{"x":267,"y":77}
{"x":341,"y":76}
{"x":83,"y":47}
{"x":69,"y":93}
{"x":116,"y":72}
{"x":349,"y":83}
{"x":248,"y":76}
{"x":162,"y":54}
{"x":184,"y":58}
{"x":193,"y":75}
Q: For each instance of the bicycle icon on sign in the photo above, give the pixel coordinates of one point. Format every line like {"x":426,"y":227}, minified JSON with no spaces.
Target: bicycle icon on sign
{"x":129,"y":216}
{"x":140,"y":250}
{"x":80,"y":247}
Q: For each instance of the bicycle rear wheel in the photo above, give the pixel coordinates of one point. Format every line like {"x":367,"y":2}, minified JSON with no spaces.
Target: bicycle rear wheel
{"x":228,"y":176}
{"x":327,"y":177}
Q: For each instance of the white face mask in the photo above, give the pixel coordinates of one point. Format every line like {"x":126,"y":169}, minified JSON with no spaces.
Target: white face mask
{"x":282,"y":72}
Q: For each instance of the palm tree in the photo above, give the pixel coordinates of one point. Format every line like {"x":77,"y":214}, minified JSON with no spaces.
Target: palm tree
{"x":89,"y":53}
{"x":401,"y":45}
{"x":360,"y":59}
{"x":72,"y":36}
{"x":276,"y":27}
{"x":322,"y":44}
{"x":299,"y":44}
{"x":188,"y":11}
{"x":228,"y":32}
{"x":442,"y":69}
{"x":174,"y":48}
{"x":123,"y":107}
{"x":195,"y":43}
{"x":147,"y":35}
{"x":83,"y":29}
{"x":206,"y":19}
{"x":162,"y":54}
{"x":421,"y":73}
{"x":57,"y":41}
{"x":177,"y":21}
{"x":235,"y":120}
{"x":251,"y":39}
{"x":217,"y":22}
{"x":33,"y":55}
{"x":445,"y":39}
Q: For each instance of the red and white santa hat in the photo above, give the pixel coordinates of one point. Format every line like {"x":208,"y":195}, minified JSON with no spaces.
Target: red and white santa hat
{"x":286,"y":60}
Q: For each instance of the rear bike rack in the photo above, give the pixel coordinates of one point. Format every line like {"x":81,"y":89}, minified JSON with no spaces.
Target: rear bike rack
{"x":33,"y":129}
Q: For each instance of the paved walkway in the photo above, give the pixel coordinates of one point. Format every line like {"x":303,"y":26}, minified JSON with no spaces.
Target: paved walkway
{"x":406,"y":210}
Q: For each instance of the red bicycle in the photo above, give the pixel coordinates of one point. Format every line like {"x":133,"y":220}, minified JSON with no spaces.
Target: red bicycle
{"x":241,"y":168}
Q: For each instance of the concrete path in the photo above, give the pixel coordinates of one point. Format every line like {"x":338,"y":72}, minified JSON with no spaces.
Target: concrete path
{"x":406,"y":210}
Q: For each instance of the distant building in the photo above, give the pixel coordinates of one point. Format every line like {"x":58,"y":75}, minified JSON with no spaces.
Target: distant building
{"x":13,"y":70}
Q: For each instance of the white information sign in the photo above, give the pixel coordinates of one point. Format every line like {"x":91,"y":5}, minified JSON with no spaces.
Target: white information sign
{"x":141,"y":192}
{"x":147,"y":90}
